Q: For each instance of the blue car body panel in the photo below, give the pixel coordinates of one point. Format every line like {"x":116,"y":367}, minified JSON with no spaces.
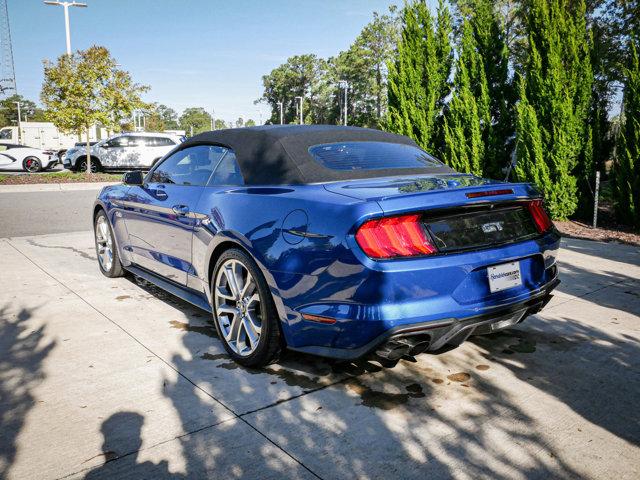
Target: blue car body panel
{"x":303,"y":239}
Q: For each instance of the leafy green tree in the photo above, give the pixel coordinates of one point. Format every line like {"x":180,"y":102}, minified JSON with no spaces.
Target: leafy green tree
{"x":301,"y":76}
{"x":28,"y":110}
{"x":419,"y":77}
{"x":250,"y":123}
{"x":626,"y":171}
{"x":195,"y":120}
{"x":468,"y":112}
{"x":154,"y":122}
{"x":220,"y":124}
{"x":87,"y":88}
{"x":364,"y":67}
{"x":240,"y":122}
{"x":555,"y":95}
{"x":169,"y":117}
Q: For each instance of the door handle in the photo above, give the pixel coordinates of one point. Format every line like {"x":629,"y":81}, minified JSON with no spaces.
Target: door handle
{"x":180,"y":209}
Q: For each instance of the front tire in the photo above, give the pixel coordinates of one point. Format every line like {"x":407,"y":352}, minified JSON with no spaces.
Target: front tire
{"x":108,"y":259}
{"x":243,"y":310}
{"x":32,"y":164}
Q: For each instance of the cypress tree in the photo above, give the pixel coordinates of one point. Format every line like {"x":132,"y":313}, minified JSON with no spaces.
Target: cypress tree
{"x":418,"y":79}
{"x":554,"y":96}
{"x":626,"y":173}
{"x":468,"y":112}
{"x":488,"y":68}
{"x":490,"y":37}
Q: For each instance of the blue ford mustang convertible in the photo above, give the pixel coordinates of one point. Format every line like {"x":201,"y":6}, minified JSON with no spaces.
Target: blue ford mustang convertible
{"x":334,"y":241}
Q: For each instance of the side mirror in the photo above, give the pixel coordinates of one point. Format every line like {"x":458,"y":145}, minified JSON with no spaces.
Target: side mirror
{"x":133,"y":178}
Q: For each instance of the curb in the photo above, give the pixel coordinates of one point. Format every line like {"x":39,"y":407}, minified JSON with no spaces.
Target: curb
{"x":54,"y":187}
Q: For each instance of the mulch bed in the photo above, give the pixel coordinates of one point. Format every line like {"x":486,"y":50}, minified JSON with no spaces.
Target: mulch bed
{"x":609,"y":230}
{"x":580,"y":230}
{"x":59,"y":178}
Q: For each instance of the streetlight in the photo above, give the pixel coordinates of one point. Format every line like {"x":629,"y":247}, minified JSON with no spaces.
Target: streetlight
{"x":344,"y":84}
{"x":281,"y":105}
{"x":301,"y":116}
{"x":66,"y":6}
{"x":19,"y":121}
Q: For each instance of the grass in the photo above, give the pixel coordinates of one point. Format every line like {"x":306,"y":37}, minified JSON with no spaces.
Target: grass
{"x":59,"y":177}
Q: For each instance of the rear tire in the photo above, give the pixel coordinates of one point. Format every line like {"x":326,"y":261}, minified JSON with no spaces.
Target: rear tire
{"x":243,"y":310}
{"x":106,"y":250}
{"x":82,"y":166}
{"x":32,"y":164}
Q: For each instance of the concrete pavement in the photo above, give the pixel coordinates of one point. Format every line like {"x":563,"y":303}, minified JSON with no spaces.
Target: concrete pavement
{"x":104,"y":378}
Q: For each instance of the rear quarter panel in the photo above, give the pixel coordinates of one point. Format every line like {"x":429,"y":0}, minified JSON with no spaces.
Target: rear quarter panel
{"x":260,"y":220}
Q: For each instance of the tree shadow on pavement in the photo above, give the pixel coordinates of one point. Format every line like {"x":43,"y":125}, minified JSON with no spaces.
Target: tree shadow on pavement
{"x":436,"y":417}
{"x":582,"y":282}
{"x":592,"y":372}
{"x":360,"y":419}
{"x":22,"y":351}
{"x":609,"y":251}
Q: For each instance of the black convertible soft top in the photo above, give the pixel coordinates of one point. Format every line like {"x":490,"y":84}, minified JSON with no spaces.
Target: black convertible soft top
{"x":279,"y":154}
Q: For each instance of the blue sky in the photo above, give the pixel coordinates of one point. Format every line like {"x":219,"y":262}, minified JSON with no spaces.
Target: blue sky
{"x":208,"y":53}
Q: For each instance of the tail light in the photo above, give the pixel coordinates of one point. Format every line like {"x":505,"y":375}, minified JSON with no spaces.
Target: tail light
{"x":392,"y":237}
{"x":539,"y":215}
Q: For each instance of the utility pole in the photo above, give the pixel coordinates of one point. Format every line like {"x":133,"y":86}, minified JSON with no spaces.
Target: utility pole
{"x":301,"y":115}
{"x":344,"y":84}
{"x":213,"y":119}
{"x":19,"y":122}
{"x":66,"y":6}
{"x":281,"y":105}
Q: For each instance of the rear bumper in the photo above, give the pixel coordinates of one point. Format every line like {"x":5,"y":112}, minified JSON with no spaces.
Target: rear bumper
{"x":368,"y":301}
{"x":434,"y":335}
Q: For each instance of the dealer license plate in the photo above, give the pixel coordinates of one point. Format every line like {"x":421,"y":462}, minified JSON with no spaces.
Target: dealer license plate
{"x":502,"y":277}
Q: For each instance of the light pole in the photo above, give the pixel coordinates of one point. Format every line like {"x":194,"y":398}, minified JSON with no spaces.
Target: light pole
{"x":344,"y":84}
{"x":213,"y":119}
{"x":19,"y":121}
{"x":281,"y":105}
{"x":301,"y":116}
{"x":66,"y":6}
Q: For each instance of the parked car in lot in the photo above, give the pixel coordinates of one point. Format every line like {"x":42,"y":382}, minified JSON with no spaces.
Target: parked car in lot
{"x":20,"y":157}
{"x":125,"y":151}
{"x":335,"y":241}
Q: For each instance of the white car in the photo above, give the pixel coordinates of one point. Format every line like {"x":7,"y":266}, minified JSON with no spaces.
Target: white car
{"x":125,"y":151}
{"x":20,"y":157}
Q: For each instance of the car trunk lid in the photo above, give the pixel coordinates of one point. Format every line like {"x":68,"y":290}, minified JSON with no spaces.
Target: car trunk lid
{"x":459,"y":212}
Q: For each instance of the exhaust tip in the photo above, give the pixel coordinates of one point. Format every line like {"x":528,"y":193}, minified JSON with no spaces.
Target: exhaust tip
{"x":396,"y":348}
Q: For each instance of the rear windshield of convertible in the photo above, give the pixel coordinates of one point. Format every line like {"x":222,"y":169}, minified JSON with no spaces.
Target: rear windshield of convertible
{"x":371,"y":156}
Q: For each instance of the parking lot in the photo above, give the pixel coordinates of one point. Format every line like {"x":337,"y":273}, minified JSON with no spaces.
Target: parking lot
{"x":104,"y":378}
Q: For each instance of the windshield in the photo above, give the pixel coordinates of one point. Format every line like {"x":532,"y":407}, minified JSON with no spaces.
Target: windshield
{"x":371,"y":156}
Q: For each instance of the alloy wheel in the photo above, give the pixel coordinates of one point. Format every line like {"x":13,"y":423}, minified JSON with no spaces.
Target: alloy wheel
{"x":32,"y":164}
{"x":104,"y":242}
{"x":83,"y":166}
{"x":237,"y":304}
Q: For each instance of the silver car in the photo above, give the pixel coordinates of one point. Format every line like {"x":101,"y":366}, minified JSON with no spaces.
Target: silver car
{"x":125,"y":151}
